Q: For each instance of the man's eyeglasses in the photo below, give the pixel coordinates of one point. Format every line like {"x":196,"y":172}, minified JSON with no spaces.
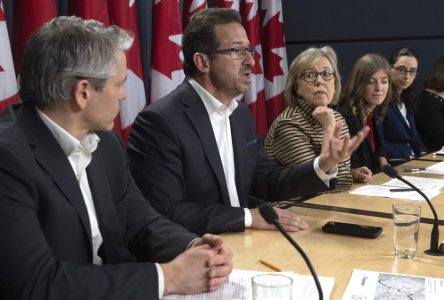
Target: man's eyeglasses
{"x":403,"y":70}
{"x":313,"y":75}
{"x":235,"y":53}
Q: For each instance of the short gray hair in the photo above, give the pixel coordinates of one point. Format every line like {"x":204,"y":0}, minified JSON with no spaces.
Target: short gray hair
{"x":65,"y":50}
{"x":303,"y":61}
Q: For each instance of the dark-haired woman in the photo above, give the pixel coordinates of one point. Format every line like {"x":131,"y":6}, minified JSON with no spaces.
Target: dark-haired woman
{"x":401,"y":138}
{"x":430,"y":108}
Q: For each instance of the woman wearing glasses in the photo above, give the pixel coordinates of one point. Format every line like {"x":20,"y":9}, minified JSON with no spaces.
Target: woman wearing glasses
{"x":401,"y":138}
{"x":430,"y":108}
{"x":297,"y":134}
{"x":364,"y":103}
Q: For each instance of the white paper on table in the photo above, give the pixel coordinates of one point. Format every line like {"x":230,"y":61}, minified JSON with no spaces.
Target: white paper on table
{"x":239,"y":288}
{"x":434,"y":169}
{"x":384,"y":191}
{"x":440,"y":152}
{"x":420,"y":182}
{"x":375,"y":285}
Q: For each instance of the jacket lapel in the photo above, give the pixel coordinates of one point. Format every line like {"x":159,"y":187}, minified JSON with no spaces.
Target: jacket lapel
{"x":50,"y":156}
{"x":240,"y":154}
{"x":398,"y":115}
{"x":106,"y":215}
{"x":198,"y":116}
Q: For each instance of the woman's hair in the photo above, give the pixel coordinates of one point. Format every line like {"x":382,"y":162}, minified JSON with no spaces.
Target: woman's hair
{"x":435,"y":81}
{"x":410,"y":94}
{"x":65,"y":50}
{"x":305,"y":60}
{"x":353,"y":93}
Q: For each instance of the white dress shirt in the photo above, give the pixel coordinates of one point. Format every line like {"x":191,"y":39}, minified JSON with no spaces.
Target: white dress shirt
{"x":79,"y":154}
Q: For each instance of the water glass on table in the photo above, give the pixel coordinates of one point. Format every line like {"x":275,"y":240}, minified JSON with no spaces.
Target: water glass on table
{"x":272,"y":286}
{"x":406,"y":220}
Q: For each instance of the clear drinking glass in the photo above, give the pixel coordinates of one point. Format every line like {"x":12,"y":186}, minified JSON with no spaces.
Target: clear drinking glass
{"x":272,"y":286}
{"x":406,"y":219}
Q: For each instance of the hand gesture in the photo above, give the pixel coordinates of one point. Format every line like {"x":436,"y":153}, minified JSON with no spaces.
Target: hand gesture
{"x":335,"y":150}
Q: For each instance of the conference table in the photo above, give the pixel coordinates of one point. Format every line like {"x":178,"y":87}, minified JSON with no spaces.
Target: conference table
{"x":337,"y":255}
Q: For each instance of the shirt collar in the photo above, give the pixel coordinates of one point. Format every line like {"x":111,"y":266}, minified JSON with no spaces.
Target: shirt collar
{"x":212,"y":105}
{"x":69,"y":143}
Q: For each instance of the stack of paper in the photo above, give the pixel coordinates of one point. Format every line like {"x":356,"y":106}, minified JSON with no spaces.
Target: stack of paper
{"x":374,"y":285}
{"x":435,"y":169}
{"x":429,"y":186}
{"x":239,"y":288}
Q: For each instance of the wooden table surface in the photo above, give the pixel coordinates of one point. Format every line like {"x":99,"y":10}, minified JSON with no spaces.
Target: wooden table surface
{"x":332,"y":255}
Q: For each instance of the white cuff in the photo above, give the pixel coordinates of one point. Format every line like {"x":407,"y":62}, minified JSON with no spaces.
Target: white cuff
{"x":161,"y":280}
{"x":325,"y":177}
{"x":248,"y":218}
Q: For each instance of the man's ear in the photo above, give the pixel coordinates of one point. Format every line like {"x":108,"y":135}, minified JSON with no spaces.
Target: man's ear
{"x":81,"y":92}
{"x":201,"y":60}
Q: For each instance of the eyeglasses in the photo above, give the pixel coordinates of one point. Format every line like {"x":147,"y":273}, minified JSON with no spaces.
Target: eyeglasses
{"x":403,"y":70}
{"x":235,"y":53}
{"x":313,"y":75}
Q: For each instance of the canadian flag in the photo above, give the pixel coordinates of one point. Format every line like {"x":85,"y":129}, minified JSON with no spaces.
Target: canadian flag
{"x":189,"y":8}
{"x":275,"y":57}
{"x":8,"y":83}
{"x":123,"y":14}
{"x":233,"y":4}
{"x":255,"y":96}
{"x":89,"y":9}
{"x":29,"y":15}
{"x":166,"y":54}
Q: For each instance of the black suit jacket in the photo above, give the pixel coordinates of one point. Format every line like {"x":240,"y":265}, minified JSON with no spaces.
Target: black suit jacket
{"x":430,"y":120}
{"x":364,"y":155}
{"x":400,"y":138}
{"x":45,"y":248}
{"x":175,"y":161}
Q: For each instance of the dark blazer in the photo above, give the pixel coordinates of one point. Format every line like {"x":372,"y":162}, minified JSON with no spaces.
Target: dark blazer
{"x":430,"y":120}
{"x":175,"y":161}
{"x":364,"y":155}
{"x":399,"y":138}
{"x":45,"y":248}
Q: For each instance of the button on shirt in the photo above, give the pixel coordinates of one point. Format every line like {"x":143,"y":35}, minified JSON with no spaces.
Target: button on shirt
{"x":79,"y":154}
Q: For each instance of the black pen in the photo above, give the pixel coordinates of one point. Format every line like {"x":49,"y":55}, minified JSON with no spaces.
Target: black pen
{"x":402,"y":190}
{"x":414,"y":169}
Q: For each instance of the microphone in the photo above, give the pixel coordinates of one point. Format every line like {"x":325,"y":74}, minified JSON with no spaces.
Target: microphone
{"x":434,"y":238}
{"x":271,"y":217}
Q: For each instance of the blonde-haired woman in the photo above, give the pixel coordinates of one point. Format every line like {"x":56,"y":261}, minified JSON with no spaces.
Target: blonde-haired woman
{"x":297,"y":134}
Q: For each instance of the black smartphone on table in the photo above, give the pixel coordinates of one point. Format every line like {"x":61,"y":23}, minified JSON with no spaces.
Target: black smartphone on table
{"x":365,"y":231}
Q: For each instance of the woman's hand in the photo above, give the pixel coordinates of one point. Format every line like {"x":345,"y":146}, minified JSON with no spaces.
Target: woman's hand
{"x":326,"y":117}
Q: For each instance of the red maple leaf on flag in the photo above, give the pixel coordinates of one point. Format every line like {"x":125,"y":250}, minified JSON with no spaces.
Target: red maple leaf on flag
{"x":252,"y":28}
{"x":168,"y":34}
{"x":275,"y":40}
{"x":1,"y":69}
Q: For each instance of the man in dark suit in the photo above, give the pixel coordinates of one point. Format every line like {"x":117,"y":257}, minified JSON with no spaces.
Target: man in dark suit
{"x":73,"y":224}
{"x":195,"y":154}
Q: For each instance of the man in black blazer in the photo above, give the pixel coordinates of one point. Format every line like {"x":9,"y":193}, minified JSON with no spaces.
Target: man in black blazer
{"x":195,"y":154}
{"x":73,"y":224}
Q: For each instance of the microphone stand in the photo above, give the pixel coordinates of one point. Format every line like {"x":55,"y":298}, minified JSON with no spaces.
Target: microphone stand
{"x":268,"y":213}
